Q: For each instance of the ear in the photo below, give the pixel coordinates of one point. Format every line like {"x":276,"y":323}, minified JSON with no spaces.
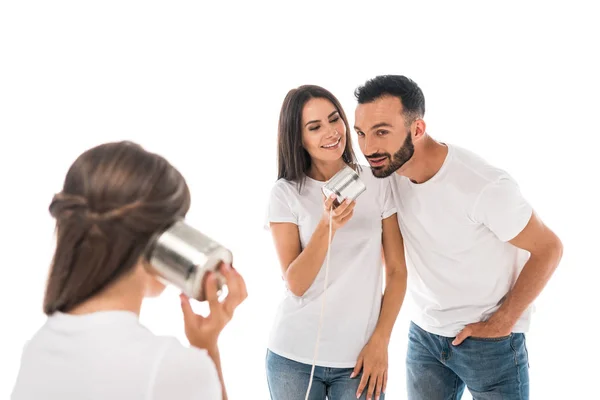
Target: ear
{"x":418,"y":128}
{"x":144,"y":270}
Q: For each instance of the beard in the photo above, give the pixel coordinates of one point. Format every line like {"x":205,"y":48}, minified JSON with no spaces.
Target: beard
{"x":399,"y":158}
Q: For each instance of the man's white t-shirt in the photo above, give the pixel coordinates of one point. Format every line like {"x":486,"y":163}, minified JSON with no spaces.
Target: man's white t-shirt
{"x":354,"y":291}
{"x":110,"y":355}
{"x":456,"y":227}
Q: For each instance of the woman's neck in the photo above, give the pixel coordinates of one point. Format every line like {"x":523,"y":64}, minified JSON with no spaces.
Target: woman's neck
{"x":126,"y":294}
{"x":325,"y":170}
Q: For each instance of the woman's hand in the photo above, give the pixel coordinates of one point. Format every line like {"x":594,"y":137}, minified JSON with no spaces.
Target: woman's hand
{"x":203,"y":332}
{"x":373,"y":361}
{"x":340,"y":214}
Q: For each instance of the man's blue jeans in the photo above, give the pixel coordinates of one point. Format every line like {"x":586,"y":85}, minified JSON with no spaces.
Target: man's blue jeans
{"x":491,"y":368}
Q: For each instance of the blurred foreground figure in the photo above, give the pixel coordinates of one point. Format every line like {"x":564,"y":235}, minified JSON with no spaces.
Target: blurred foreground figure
{"x":115,"y":197}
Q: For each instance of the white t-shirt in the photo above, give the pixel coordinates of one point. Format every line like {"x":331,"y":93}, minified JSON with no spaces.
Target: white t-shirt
{"x":456,"y":229}
{"x":354,"y":291}
{"x":110,"y":355}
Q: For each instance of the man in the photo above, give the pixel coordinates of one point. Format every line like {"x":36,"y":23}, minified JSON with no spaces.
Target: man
{"x":477,"y":253}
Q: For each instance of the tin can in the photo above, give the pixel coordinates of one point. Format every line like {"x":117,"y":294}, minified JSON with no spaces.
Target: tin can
{"x":182,"y":256}
{"x":346,"y":184}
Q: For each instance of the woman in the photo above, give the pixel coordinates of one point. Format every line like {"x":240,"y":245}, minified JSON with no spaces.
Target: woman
{"x":314,"y":144}
{"x":92,"y":346}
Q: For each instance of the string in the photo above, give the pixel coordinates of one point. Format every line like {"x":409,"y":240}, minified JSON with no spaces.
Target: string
{"x":312,"y":372}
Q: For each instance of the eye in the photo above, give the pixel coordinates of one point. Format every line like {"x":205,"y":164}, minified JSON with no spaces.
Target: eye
{"x":360,"y":134}
{"x":314,"y":128}
{"x":382,"y":132}
{"x":336,"y":119}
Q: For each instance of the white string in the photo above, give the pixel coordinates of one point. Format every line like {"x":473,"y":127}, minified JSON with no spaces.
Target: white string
{"x":312,"y":372}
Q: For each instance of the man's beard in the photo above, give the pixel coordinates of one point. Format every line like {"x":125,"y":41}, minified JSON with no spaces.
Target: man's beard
{"x":397,"y":161}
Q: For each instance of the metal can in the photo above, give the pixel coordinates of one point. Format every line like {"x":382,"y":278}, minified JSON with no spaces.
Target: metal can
{"x":182,"y":256}
{"x":346,"y":184}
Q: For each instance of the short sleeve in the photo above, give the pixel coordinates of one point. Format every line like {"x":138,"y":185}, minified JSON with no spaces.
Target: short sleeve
{"x":279,"y":208}
{"x":388,"y":204}
{"x":185,"y":373}
{"x":502,"y":208}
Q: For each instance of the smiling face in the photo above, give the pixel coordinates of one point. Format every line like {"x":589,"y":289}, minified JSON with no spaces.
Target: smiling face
{"x":384,"y":135}
{"x":323,"y":130}
{"x":313,"y":129}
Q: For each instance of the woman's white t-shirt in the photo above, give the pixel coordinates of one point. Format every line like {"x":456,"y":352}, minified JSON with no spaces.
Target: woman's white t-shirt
{"x":110,"y":355}
{"x":354,"y":291}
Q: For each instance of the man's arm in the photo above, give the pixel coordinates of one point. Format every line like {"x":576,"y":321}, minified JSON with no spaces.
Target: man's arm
{"x":546,"y":252}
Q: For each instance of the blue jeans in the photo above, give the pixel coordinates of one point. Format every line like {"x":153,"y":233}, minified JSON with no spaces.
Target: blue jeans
{"x":288,"y":380}
{"x":491,"y":368}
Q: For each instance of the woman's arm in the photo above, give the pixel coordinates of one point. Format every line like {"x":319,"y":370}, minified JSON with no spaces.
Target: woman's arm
{"x":215,"y":355}
{"x":395,"y":277}
{"x":300,"y":267}
{"x":203,"y":332}
{"x":374,"y":357}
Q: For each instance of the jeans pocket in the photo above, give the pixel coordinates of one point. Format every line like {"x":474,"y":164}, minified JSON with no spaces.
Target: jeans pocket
{"x":490,"y":339}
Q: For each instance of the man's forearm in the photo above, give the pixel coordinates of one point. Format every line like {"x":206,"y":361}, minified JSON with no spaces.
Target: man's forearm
{"x":533,"y":278}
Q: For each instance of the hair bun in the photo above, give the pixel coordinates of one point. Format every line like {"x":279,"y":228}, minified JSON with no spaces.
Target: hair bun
{"x":75,"y":209}
{"x":65,"y":205}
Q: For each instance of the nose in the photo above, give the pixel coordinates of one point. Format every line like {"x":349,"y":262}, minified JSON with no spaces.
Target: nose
{"x":333,"y":133}
{"x":369,"y":146}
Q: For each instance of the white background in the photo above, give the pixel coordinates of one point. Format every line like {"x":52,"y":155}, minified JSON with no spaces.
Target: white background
{"x":202,"y":82}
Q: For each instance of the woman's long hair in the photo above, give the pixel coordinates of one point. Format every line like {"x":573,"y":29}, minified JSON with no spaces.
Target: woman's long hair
{"x":293,"y":161}
{"x":114,"y":198}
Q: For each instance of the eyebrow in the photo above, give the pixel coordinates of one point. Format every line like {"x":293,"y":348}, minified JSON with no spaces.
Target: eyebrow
{"x":379,"y":125}
{"x":318,"y":120}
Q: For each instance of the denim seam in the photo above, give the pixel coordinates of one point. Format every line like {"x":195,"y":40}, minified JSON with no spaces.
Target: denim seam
{"x":449,"y":352}
{"x":455,"y":387}
{"x":526,"y":351}
{"x":267,"y":368}
{"x":516,"y":355}
{"x":512,"y":346}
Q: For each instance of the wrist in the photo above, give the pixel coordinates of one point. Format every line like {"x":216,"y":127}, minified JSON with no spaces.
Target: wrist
{"x":215,"y":356}
{"x":325,"y":226}
{"x":381,"y":335}
{"x":206,"y":342}
{"x":502,"y":319}
{"x":213,"y":351}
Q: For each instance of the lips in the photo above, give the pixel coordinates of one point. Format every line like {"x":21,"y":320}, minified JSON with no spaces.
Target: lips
{"x":333,"y":145}
{"x":377,"y":162}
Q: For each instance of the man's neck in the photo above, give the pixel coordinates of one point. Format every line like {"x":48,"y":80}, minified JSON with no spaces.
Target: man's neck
{"x":426,"y":162}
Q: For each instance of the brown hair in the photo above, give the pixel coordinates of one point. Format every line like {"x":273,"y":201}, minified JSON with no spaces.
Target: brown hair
{"x":115,"y":197}
{"x":293,"y":161}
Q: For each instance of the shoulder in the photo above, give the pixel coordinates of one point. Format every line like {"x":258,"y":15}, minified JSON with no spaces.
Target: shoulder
{"x":284,"y":188}
{"x":185,"y":373}
{"x":175,"y":352}
{"x":472,"y":171}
